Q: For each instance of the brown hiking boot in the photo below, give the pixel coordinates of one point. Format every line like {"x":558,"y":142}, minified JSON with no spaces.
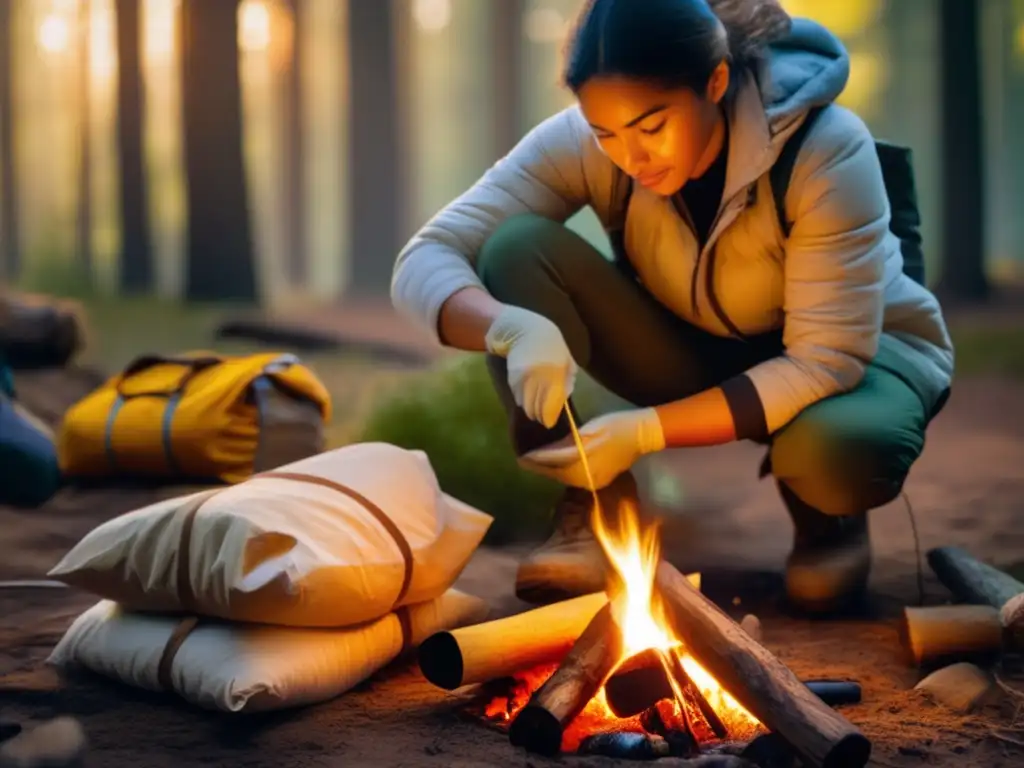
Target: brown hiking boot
{"x":570,"y":563}
{"x":827,"y":571}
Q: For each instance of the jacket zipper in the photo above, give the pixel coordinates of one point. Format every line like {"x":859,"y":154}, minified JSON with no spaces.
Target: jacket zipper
{"x":711,"y":246}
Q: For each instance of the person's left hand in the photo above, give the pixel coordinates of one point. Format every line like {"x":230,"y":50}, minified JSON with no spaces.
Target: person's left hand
{"x":612,"y":443}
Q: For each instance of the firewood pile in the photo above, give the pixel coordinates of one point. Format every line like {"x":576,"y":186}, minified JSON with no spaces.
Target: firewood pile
{"x":713,"y":689}
{"x":572,"y":678}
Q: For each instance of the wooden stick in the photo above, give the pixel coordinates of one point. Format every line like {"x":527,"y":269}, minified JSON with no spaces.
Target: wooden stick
{"x":503,"y":647}
{"x":971,"y":580}
{"x":948,"y":633}
{"x":692,"y":693}
{"x":757,"y":680}
{"x":540,"y":724}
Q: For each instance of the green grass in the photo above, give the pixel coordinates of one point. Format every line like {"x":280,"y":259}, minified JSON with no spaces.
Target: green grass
{"x":994,"y":350}
{"x":450,"y":412}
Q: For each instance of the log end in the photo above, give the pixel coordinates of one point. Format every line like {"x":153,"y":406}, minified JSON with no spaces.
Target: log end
{"x":935,"y":635}
{"x":851,"y":751}
{"x":536,"y":730}
{"x":440,"y":660}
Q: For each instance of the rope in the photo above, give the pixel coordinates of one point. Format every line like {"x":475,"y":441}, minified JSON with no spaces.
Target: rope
{"x":917,"y":548}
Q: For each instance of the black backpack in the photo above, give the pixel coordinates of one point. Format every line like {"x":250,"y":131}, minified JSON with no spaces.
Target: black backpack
{"x":898,"y":174}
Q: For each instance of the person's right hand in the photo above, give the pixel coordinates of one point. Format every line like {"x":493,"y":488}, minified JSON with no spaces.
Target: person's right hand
{"x":541,"y":371}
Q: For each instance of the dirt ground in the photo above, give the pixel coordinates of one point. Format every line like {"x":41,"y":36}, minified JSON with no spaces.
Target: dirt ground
{"x":968,"y":489}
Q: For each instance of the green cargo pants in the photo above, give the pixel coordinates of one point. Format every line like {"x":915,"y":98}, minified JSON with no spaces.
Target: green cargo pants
{"x":842,"y":455}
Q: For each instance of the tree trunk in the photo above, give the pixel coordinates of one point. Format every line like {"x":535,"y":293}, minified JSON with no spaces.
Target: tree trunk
{"x":10,"y":245}
{"x":963,"y":265}
{"x":221,"y":262}
{"x":83,"y":214}
{"x":507,"y":41}
{"x":136,"y":245}
{"x":294,"y":155}
{"x":374,"y":157}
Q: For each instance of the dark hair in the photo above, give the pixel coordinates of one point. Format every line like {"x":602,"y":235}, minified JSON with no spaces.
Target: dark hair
{"x":672,"y":43}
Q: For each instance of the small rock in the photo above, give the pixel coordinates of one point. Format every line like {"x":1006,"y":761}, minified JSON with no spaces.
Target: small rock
{"x":57,"y":743}
{"x":912,"y":752}
{"x":961,"y":687}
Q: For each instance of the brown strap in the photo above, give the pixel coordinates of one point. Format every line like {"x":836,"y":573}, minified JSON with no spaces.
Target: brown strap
{"x":186,"y":596}
{"x":174,"y":643}
{"x":389,"y":525}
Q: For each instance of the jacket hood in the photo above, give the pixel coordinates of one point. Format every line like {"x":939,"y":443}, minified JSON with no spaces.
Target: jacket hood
{"x":808,"y":68}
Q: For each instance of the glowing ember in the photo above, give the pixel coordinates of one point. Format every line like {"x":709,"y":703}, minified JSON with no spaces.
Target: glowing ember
{"x":634,"y":551}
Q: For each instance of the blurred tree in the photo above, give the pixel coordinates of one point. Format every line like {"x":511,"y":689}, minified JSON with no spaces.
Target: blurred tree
{"x":375,"y":150}
{"x":507,"y":40}
{"x":296,"y":259}
{"x":83,"y":95}
{"x":963,"y":264}
{"x":136,"y":245}
{"x":221,"y":263}
{"x":10,"y":255}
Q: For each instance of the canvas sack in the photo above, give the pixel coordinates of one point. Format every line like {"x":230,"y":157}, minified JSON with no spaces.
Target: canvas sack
{"x":330,"y":541}
{"x":246,"y":668}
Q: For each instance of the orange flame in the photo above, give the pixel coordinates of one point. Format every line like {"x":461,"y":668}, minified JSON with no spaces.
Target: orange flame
{"x":634,"y":551}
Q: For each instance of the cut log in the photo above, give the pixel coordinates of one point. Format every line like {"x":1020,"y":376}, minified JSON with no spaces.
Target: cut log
{"x":972,"y":581}
{"x":947,"y":633}
{"x":757,"y":680}
{"x":503,"y":647}
{"x":539,"y":726}
{"x":961,"y":687}
{"x":640,"y":682}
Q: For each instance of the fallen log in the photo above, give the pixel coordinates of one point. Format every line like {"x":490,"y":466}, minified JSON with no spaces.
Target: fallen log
{"x":943,"y":634}
{"x":502,"y":647}
{"x":757,"y":680}
{"x":972,"y":581}
{"x":539,"y":725}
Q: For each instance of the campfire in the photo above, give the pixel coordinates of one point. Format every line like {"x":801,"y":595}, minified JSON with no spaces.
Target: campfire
{"x":650,"y":668}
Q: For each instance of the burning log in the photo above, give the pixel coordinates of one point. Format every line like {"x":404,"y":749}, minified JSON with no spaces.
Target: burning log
{"x":502,"y":647}
{"x":757,"y":680}
{"x":640,"y":682}
{"x":540,"y":724}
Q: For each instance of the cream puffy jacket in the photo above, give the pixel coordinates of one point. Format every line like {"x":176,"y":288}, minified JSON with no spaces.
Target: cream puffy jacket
{"x":836,"y":287}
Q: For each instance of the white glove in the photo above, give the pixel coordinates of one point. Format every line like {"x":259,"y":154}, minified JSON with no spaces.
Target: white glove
{"x":612,"y":442}
{"x":541,"y":371}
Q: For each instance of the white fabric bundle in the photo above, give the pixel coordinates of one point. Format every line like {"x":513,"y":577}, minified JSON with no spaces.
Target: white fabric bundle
{"x":239,"y":668}
{"x":334,"y":540}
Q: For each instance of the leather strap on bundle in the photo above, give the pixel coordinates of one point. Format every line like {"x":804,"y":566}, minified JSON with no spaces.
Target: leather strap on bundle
{"x":379,"y":514}
{"x":183,"y":584}
{"x":186,"y":596}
